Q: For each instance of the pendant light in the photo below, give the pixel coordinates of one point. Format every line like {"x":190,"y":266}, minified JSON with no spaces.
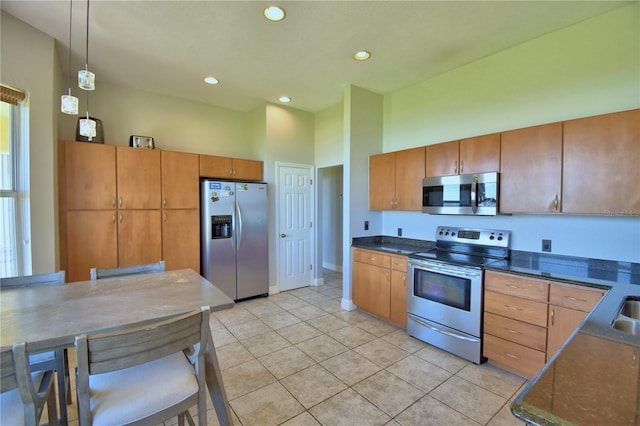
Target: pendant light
{"x":68,"y":103}
{"x":86,"y":79}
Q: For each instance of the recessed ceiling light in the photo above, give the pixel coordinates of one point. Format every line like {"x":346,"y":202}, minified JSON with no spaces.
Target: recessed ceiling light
{"x":284,"y":99}
{"x":274,"y":13}
{"x":362,"y":55}
{"x":211,"y":80}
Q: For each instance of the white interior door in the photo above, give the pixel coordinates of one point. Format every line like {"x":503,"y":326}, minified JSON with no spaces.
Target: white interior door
{"x":295,"y":225}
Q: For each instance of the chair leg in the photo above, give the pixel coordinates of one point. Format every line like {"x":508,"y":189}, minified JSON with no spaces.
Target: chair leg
{"x":61,"y":376}
{"x":52,"y":412}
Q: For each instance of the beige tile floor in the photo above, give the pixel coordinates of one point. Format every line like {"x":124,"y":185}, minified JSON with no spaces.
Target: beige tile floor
{"x":296,"y":358}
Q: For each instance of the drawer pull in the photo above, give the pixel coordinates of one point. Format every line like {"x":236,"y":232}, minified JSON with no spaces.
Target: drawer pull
{"x":510,"y":355}
{"x":371,"y":258}
{"x":512,"y":331}
{"x":575,"y":299}
{"x":513,"y":286}
{"x":513,"y":308}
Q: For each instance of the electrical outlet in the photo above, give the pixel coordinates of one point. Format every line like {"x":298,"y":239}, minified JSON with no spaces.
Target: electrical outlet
{"x":399,"y":232}
{"x":366,"y":225}
{"x":546,"y":245}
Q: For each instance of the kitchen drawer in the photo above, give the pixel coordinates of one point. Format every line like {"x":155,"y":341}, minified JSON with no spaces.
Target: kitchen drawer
{"x":516,"y":285}
{"x":523,"y":333}
{"x":372,"y":258}
{"x":514,"y":307}
{"x":399,"y":263}
{"x":574,"y":297}
{"x":513,"y":357}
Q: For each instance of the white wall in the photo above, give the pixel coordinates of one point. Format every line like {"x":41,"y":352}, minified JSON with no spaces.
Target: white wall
{"x":362,"y":137}
{"x":175,"y":124}
{"x":329,"y":206}
{"x":28,"y":63}
{"x":586,"y":69}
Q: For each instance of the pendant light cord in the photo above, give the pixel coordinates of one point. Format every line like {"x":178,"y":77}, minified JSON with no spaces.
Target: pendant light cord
{"x":70,"y":20}
{"x":86,"y":64}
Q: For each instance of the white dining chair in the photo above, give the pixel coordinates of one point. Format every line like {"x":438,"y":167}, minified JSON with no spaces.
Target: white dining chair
{"x":24,"y":394}
{"x":51,"y":360}
{"x":147,"y":268}
{"x":144,"y":375}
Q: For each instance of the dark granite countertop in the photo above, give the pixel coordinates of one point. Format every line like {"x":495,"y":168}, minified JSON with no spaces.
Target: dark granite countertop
{"x":594,"y":377}
{"x":393,"y":245}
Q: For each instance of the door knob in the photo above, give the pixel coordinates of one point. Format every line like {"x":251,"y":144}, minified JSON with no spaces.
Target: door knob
{"x":283,"y":235}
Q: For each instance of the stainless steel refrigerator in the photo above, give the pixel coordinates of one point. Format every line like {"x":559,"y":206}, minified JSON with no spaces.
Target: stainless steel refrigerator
{"x":234,"y":253}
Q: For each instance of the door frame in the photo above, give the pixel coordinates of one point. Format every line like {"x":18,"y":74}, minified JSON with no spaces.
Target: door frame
{"x":312,"y":242}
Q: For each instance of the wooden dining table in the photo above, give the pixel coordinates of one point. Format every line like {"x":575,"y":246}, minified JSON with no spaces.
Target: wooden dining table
{"x":50,"y":317}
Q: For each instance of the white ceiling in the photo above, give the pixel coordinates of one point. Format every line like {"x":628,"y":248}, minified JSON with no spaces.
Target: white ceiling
{"x":167,"y":47}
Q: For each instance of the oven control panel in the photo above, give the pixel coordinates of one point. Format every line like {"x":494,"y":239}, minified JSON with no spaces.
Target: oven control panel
{"x":484,"y":237}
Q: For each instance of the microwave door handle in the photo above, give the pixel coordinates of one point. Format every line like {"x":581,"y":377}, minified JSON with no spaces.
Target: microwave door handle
{"x":474,"y":194}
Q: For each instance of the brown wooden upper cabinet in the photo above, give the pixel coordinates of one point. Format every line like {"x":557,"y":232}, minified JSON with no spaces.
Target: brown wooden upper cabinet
{"x":531,"y":170}
{"x":90,"y":176}
{"x":231,"y":168}
{"x":601,"y":165}
{"x":395,"y":180}
{"x":138,"y":178}
{"x":472,"y":155}
{"x":180,"y":180}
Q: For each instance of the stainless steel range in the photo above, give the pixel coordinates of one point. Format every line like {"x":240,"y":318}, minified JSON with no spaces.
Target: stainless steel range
{"x":444,"y":295}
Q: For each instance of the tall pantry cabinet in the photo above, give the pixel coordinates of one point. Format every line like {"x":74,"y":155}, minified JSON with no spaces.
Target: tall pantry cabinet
{"x":114,"y":209}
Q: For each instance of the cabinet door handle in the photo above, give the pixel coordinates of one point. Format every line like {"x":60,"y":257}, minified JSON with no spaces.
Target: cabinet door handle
{"x":556,"y":203}
{"x":461,"y":166}
{"x":387,"y":276}
{"x":164,"y":202}
{"x":114,"y":218}
{"x":455,"y":167}
{"x":552,"y":314}
{"x":575,"y":299}
{"x":121,"y":217}
{"x":512,"y":331}
{"x":164,"y":216}
{"x":120,"y":201}
{"x":513,"y":308}
{"x":113,"y":202}
{"x":510,"y":355}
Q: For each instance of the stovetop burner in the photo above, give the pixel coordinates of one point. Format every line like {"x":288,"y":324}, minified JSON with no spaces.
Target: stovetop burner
{"x":464,"y":246}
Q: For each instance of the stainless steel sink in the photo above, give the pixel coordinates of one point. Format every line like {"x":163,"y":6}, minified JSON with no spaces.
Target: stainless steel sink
{"x":628,"y":326}
{"x":631,"y":309}
{"x":628,"y":319}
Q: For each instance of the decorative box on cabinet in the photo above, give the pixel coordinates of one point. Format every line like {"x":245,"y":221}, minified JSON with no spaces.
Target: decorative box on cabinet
{"x":395,"y":180}
{"x":213,"y":166}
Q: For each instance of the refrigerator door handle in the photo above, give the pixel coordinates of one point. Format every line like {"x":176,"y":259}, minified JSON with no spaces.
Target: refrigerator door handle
{"x":239,"y":223}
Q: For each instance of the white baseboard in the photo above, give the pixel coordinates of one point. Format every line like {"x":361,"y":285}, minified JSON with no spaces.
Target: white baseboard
{"x":331,"y":266}
{"x":347,"y":305}
{"x":317,"y":282}
{"x":274,"y":289}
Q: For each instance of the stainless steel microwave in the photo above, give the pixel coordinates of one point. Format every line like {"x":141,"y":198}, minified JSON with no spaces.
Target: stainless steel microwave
{"x":471,"y":194}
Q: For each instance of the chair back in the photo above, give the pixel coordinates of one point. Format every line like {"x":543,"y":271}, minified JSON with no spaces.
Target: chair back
{"x":148,"y":268}
{"x":116,"y":350}
{"x":16,"y":374}
{"x":38,"y":279}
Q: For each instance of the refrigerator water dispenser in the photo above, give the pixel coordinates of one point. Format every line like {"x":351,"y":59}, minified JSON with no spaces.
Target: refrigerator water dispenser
{"x":221,"y":226}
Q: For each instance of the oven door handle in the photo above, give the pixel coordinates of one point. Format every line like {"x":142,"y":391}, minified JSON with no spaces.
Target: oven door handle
{"x":460,"y":273}
{"x":438,"y":330}
{"x":474,"y":194}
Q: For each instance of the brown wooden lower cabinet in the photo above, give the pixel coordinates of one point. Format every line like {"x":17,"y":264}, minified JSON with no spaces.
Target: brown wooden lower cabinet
{"x":380,"y":284}
{"x":511,"y":356}
{"x":92,"y":242}
{"x":181,"y":239}
{"x":527,"y":319}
